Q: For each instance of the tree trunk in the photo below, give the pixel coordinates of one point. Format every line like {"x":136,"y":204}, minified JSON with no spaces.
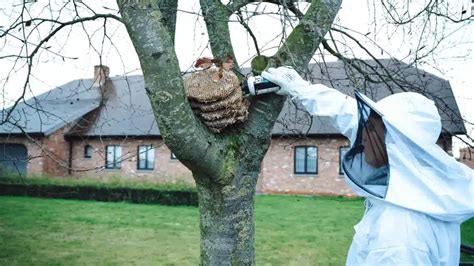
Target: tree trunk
{"x":226,"y":221}
{"x":225,"y":166}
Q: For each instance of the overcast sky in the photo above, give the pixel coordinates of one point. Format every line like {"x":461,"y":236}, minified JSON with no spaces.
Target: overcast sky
{"x":454,"y":61}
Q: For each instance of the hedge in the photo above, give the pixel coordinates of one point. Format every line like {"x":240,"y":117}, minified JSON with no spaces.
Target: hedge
{"x":100,"y":193}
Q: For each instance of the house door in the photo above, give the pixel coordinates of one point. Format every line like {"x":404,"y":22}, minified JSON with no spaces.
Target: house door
{"x":13,"y":159}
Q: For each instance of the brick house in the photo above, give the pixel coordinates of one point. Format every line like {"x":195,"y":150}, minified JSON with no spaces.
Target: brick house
{"x":104,"y":127}
{"x":466,"y":156}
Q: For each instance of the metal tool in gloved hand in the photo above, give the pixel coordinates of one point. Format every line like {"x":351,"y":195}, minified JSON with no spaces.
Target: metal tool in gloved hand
{"x":258,"y":85}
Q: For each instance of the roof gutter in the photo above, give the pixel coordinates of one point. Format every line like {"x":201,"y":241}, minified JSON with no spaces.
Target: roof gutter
{"x":75,"y":136}
{"x":32,"y":134}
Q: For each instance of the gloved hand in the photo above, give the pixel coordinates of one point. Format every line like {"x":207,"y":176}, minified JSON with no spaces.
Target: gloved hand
{"x":287,"y":78}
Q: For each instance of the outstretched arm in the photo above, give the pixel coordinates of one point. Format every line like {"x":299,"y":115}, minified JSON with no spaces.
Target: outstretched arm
{"x":318,"y":99}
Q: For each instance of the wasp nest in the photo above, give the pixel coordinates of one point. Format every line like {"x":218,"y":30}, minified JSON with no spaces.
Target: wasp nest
{"x":216,"y":98}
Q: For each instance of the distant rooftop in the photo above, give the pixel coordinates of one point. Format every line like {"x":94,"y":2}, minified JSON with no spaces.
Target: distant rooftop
{"x":52,"y":110}
{"x":121,"y":107}
{"x":400,"y":77}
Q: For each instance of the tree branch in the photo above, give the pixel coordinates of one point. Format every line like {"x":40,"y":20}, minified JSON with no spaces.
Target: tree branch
{"x":297,"y":51}
{"x":234,"y":6}
{"x":169,"y":9}
{"x":182,"y":132}
{"x":375,"y":59}
{"x":216,"y":16}
{"x":305,"y":38}
{"x":249,"y":30}
{"x":31,"y":55}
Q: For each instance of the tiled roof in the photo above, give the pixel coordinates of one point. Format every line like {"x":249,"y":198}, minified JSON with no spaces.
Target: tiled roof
{"x":347,"y":80}
{"x":52,"y":110}
{"x":126,"y":110}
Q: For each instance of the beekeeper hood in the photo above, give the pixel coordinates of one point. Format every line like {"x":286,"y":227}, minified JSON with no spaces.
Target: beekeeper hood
{"x":412,"y":171}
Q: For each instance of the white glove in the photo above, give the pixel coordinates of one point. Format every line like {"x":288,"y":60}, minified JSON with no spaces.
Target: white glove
{"x":289,"y":81}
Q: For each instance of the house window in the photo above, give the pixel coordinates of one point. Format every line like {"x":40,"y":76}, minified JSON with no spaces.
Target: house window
{"x":88,"y":151}
{"x":146,"y":157}
{"x":173,"y":157}
{"x":112,"y":158}
{"x":13,"y":159}
{"x":306,"y":160}
{"x":342,"y":152}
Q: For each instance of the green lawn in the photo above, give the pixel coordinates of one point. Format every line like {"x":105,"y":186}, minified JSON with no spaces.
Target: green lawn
{"x":289,"y":230}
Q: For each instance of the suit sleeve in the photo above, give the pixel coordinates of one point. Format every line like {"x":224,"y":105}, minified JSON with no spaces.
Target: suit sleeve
{"x":339,"y":108}
{"x":399,"y":256}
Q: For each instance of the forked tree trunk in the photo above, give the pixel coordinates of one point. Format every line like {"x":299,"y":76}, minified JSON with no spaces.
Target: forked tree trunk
{"x":225,"y":166}
{"x":226,"y":222}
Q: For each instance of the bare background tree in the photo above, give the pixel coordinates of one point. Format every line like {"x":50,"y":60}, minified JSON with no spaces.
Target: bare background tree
{"x":226,"y":166}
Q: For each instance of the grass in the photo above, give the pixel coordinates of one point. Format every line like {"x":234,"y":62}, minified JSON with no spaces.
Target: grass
{"x":467,"y":237}
{"x":304,"y":230}
{"x":290,"y":230}
{"x":58,"y":232}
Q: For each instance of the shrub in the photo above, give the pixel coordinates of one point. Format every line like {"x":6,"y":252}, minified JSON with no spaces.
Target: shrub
{"x":151,"y":193}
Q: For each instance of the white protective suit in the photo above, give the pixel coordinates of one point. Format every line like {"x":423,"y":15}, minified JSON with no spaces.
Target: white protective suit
{"x":413,"y":214}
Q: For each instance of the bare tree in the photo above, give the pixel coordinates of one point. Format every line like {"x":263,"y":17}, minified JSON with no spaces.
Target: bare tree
{"x":226,"y":166}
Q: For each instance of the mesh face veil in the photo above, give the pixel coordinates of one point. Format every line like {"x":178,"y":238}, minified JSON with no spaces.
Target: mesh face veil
{"x":366,"y":163}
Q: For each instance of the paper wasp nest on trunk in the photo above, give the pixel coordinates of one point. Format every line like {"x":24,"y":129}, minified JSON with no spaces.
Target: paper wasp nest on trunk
{"x":216,"y":97}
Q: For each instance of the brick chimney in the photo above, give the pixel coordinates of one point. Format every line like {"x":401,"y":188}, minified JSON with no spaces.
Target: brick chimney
{"x":101,"y":74}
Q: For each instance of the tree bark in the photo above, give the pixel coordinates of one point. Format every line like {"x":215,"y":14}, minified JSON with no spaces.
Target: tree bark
{"x":225,"y":166}
{"x":226,"y":221}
